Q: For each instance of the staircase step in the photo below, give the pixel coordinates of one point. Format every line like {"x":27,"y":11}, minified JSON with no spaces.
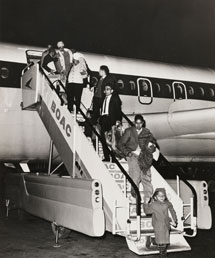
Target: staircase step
{"x":150,"y":232}
{"x":177,"y":244}
{"x":142,"y":217}
{"x":133,"y":203}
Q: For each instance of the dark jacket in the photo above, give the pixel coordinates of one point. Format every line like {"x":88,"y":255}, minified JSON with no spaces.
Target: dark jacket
{"x":46,"y":59}
{"x":108,"y":80}
{"x":130,"y":140}
{"x":115,"y":112}
{"x":88,"y":130}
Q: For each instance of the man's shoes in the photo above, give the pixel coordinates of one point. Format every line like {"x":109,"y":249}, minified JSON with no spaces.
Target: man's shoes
{"x":106,"y":160}
{"x":148,"y":242}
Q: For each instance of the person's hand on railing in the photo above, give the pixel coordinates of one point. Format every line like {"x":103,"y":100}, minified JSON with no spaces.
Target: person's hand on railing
{"x":151,"y":147}
{"x":52,"y":72}
{"x":83,"y":72}
{"x":130,"y":154}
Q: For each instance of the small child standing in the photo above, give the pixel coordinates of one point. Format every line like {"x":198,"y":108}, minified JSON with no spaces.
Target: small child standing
{"x":159,"y":208}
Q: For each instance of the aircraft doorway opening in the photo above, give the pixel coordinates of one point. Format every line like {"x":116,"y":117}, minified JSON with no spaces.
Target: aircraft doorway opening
{"x":179,"y":90}
{"x":145,"y":92}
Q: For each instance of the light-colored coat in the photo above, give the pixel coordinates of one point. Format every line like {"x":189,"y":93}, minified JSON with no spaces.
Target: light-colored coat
{"x":78,"y":72}
{"x":160,"y":219}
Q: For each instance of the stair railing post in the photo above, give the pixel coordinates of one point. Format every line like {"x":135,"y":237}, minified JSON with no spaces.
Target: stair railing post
{"x":178,"y":185}
{"x":125,"y":186}
{"x":50,"y":156}
{"x":138,"y":227}
{"x":74,"y":142}
{"x":97,"y":144}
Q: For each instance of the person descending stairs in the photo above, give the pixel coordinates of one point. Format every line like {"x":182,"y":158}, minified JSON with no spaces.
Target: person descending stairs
{"x":159,"y":207}
{"x":138,"y":144}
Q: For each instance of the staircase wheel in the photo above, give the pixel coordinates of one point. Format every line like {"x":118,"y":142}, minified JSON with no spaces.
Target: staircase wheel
{"x":63,"y":232}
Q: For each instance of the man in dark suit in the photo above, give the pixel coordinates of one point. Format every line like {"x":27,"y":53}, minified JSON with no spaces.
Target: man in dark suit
{"x":111,"y":114}
{"x":138,"y":144}
{"x":105,"y":78}
{"x":49,"y":56}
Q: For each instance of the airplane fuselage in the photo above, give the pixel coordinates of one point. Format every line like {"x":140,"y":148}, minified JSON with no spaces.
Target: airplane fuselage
{"x":176,"y":102}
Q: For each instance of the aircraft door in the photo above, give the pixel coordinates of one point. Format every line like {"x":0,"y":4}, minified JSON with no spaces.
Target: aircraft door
{"x":179,"y":90}
{"x":145,"y":92}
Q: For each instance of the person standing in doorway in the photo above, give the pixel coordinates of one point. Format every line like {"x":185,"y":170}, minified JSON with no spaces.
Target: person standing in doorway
{"x":48,"y":57}
{"x":65,"y":60}
{"x":105,"y":78}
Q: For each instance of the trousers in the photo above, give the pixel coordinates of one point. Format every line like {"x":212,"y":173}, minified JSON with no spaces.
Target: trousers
{"x":138,"y":176}
{"x":105,"y":127}
{"x":97,"y":103}
{"x":74,"y":93}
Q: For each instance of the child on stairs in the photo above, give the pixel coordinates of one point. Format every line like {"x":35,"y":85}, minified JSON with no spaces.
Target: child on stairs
{"x":159,"y":207}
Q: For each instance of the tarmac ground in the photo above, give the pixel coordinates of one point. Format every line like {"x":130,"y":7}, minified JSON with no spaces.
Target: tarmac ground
{"x":23,"y":235}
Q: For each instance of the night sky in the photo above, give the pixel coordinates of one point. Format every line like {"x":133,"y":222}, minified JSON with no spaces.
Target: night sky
{"x":173,"y":31}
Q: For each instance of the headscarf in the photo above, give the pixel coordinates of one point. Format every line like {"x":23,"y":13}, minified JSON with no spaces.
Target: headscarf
{"x":78,"y":56}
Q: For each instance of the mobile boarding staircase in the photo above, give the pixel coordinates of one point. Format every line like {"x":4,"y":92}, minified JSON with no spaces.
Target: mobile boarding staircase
{"x":110,"y":179}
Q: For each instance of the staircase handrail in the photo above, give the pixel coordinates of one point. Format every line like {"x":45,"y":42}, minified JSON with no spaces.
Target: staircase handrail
{"x":51,"y":85}
{"x":111,"y":153}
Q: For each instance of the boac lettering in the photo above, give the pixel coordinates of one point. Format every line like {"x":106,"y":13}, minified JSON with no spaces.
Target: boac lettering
{"x":58,"y":114}
{"x":53,"y":106}
{"x":68,"y":130}
{"x":62,"y":122}
{"x":62,"y":119}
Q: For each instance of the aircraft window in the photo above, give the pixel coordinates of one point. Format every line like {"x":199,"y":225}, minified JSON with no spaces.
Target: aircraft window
{"x":120,"y":84}
{"x":157,"y":87}
{"x":212,"y":93}
{"x":179,"y":89}
{"x":132,"y":85}
{"x":144,"y":86}
{"x":190,"y":91}
{"x":168,"y":89}
{"x":202,"y":92}
{"x":4,"y":73}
